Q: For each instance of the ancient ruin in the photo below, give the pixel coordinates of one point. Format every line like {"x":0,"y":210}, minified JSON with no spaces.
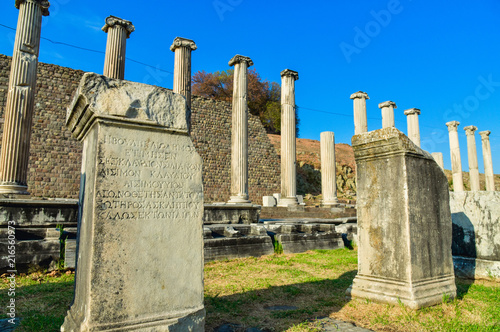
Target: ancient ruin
{"x":182,"y":48}
{"x":438,"y":157}
{"x":359,"y":101}
{"x":472,"y":156}
{"x":387,"y":108}
{"x":21,"y":97}
{"x":456,"y":161}
{"x":140,"y":170}
{"x":404,"y":222}
{"x":118,"y":31}
{"x":328,"y":169}
{"x":488,"y":164}
{"x":413,"y":126}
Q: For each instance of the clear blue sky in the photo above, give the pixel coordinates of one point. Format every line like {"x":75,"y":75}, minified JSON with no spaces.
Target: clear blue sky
{"x":441,"y":57}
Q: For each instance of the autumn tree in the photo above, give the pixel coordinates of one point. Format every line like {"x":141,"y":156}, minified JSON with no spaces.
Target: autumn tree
{"x":263,"y":96}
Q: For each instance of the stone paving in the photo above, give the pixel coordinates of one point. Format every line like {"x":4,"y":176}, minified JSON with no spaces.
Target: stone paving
{"x":327,"y":325}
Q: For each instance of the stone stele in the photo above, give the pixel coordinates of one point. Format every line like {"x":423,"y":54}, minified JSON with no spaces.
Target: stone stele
{"x":404,"y":222}
{"x":140,"y":230}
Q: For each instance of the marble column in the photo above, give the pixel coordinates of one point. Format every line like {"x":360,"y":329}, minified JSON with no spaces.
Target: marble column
{"x":438,"y":157}
{"x":387,"y":113}
{"x":488,"y":163}
{"x":359,"y":100}
{"x":456,"y":162}
{"x":288,"y":158}
{"x":328,"y":169}
{"x":472,"y":156}
{"x":413,"y":127}
{"x":118,"y":31}
{"x":182,"y":67}
{"x":239,"y":130}
{"x":20,"y":104}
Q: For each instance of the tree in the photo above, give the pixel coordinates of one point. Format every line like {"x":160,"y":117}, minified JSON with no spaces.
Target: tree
{"x":263,"y":96}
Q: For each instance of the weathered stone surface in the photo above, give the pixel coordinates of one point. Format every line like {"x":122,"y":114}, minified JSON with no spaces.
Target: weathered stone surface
{"x":231,"y":213}
{"x":456,"y":160}
{"x":298,"y":242}
{"x":472,"y":158}
{"x":413,"y":126}
{"x":488,"y":163}
{"x":359,"y":102}
{"x":438,"y":157}
{"x":476,"y":233}
{"x":118,"y":31}
{"x":387,"y":108}
{"x":269,"y":201}
{"x":70,"y":253}
{"x":328,"y":169}
{"x":182,"y":67}
{"x":404,"y":222}
{"x":140,"y":244}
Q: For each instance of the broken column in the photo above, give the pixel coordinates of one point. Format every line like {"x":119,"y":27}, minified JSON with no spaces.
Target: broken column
{"x":387,"y":113}
{"x":288,"y":158}
{"x":182,"y":67}
{"x":239,"y":130}
{"x":328,"y":169}
{"x":438,"y":157}
{"x":472,"y":156}
{"x":153,"y":200}
{"x":488,"y":163}
{"x":456,"y":161}
{"x":404,"y":223}
{"x":359,"y":100}
{"x":118,"y":31}
{"x":21,"y":97}
{"x":413,"y":127}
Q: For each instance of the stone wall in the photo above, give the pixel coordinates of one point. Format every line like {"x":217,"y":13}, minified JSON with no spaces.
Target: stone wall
{"x":55,"y":157}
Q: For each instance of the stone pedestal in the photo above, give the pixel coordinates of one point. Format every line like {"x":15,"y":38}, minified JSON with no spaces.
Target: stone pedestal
{"x":404,"y":222}
{"x":182,"y":67}
{"x":413,"y":126}
{"x":359,"y":100}
{"x":438,"y":157}
{"x":456,"y":161}
{"x":387,"y":113}
{"x":140,"y":240}
{"x":239,"y":130}
{"x":472,"y":155}
{"x":21,"y":97}
{"x":488,"y":163}
{"x":118,"y":31}
{"x":288,"y":157}
{"x":328,"y":169}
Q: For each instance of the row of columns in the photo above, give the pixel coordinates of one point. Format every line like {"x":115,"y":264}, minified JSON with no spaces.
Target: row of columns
{"x":456,"y":161}
{"x":360,"y":126}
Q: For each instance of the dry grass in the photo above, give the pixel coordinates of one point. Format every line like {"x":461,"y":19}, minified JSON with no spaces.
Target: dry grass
{"x":239,"y":291}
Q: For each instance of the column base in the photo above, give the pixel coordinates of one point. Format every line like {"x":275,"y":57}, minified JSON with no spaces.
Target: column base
{"x":13,"y":188}
{"x":415,"y":295}
{"x":288,"y":201}
{"x":330,"y":203}
{"x":238,"y":199}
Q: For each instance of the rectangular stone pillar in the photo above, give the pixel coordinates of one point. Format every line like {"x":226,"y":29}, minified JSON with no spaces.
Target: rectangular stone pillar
{"x":404,"y":222}
{"x":140,"y":240}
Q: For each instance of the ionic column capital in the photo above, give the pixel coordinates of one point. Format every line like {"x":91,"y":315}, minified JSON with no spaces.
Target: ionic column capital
{"x":413,"y":111}
{"x":386,"y":104}
{"x":452,"y":125}
{"x":44,"y":5}
{"x":469,"y":130}
{"x":111,"y":21}
{"x":360,"y":94}
{"x":485,"y":134}
{"x":291,"y":73}
{"x":240,"y":58}
{"x":183,"y":42}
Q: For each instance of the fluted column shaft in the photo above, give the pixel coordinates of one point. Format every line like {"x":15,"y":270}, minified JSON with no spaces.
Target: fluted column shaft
{"x":239,"y":132}
{"x":182,"y":67}
{"x":118,"y":31}
{"x":472,"y":157}
{"x":19,"y":109}
{"x":328,"y":168}
{"x":360,"y":122}
{"x":387,"y":113}
{"x":288,"y":148}
{"x":438,"y":157}
{"x":413,"y":126}
{"x":488,"y":163}
{"x":456,"y":161}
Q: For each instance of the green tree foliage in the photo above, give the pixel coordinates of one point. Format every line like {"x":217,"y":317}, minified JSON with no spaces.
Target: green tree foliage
{"x":263,"y":96}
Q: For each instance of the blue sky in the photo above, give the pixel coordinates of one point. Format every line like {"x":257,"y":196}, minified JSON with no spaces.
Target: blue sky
{"x":441,"y":57}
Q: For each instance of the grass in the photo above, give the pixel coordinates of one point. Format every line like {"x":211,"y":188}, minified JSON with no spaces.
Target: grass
{"x":239,"y":291}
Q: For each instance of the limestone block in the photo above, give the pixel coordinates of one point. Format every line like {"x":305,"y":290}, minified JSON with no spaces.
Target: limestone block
{"x":476,"y":233}
{"x":298,"y":242}
{"x":404,"y":222}
{"x":140,"y":250}
{"x":268,"y":201}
